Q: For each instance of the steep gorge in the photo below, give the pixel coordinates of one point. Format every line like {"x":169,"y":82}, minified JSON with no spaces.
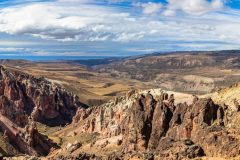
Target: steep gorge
{"x":25,"y":100}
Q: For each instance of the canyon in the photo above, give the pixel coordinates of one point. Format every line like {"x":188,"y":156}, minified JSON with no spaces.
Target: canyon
{"x":25,"y":100}
{"x":77,"y":112}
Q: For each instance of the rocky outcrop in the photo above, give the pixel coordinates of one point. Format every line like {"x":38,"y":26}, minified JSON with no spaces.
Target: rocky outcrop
{"x":26,"y":140}
{"x":23,"y":96}
{"x":25,"y":100}
{"x":157,"y":125}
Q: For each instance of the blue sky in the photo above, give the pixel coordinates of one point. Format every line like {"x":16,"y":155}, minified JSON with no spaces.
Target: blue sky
{"x":116,"y":27}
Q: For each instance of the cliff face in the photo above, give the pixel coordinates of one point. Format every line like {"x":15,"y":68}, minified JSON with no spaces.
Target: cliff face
{"x":25,"y":100}
{"x":155,"y":125}
{"x":23,"y":96}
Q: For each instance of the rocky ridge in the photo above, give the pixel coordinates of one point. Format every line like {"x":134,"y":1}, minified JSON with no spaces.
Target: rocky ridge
{"x":25,"y":100}
{"x":150,"y":124}
{"x":24,"y":96}
{"x":157,"y":126}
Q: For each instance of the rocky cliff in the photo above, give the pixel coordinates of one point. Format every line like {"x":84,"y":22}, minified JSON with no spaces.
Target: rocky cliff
{"x":23,"y":96}
{"x":153,"y":124}
{"x":25,"y":100}
{"x":156,"y":127}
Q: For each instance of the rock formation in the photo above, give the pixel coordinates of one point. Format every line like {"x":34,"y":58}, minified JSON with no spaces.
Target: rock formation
{"x":156,"y":125}
{"x":25,"y":100}
{"x":23,"y":96}
{"x":142,"y":124}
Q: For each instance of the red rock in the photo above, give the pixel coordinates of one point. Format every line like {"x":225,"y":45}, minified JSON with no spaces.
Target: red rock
{"x":36,"y":97}
{"x":25,"y":99}
{"x":160,"y":127}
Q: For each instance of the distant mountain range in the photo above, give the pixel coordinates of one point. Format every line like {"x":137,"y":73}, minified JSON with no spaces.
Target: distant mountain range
{"x":183,"y":71}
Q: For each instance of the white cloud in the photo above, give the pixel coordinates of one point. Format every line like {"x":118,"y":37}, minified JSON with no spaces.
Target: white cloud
{"x":217,"y":4}
{"x":126,"y":37}
{"x":8,"y":49}
{"x":148,"y":50}
{"x":80,"y":21}
{"x":169,"y":12}
{"x":47,"y":53}
{"x":150,"y":7}
{"x":64,"y":23}
{"x":16,"y":43}
{"x":195,"y":7}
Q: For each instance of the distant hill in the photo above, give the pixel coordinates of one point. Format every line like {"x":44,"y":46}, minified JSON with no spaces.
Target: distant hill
{"x":195,"y":71}
{"x":94,"y":62}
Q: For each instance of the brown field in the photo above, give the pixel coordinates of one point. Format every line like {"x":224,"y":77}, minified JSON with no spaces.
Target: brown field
{"x":92,"y":87}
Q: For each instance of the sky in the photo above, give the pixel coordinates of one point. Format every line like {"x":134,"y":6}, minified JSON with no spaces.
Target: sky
{"x":116,"y":27}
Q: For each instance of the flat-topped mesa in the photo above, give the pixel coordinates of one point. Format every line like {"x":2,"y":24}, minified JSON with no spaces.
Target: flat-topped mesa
{"x":22,"y":96}
{"x":147,"y":124}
